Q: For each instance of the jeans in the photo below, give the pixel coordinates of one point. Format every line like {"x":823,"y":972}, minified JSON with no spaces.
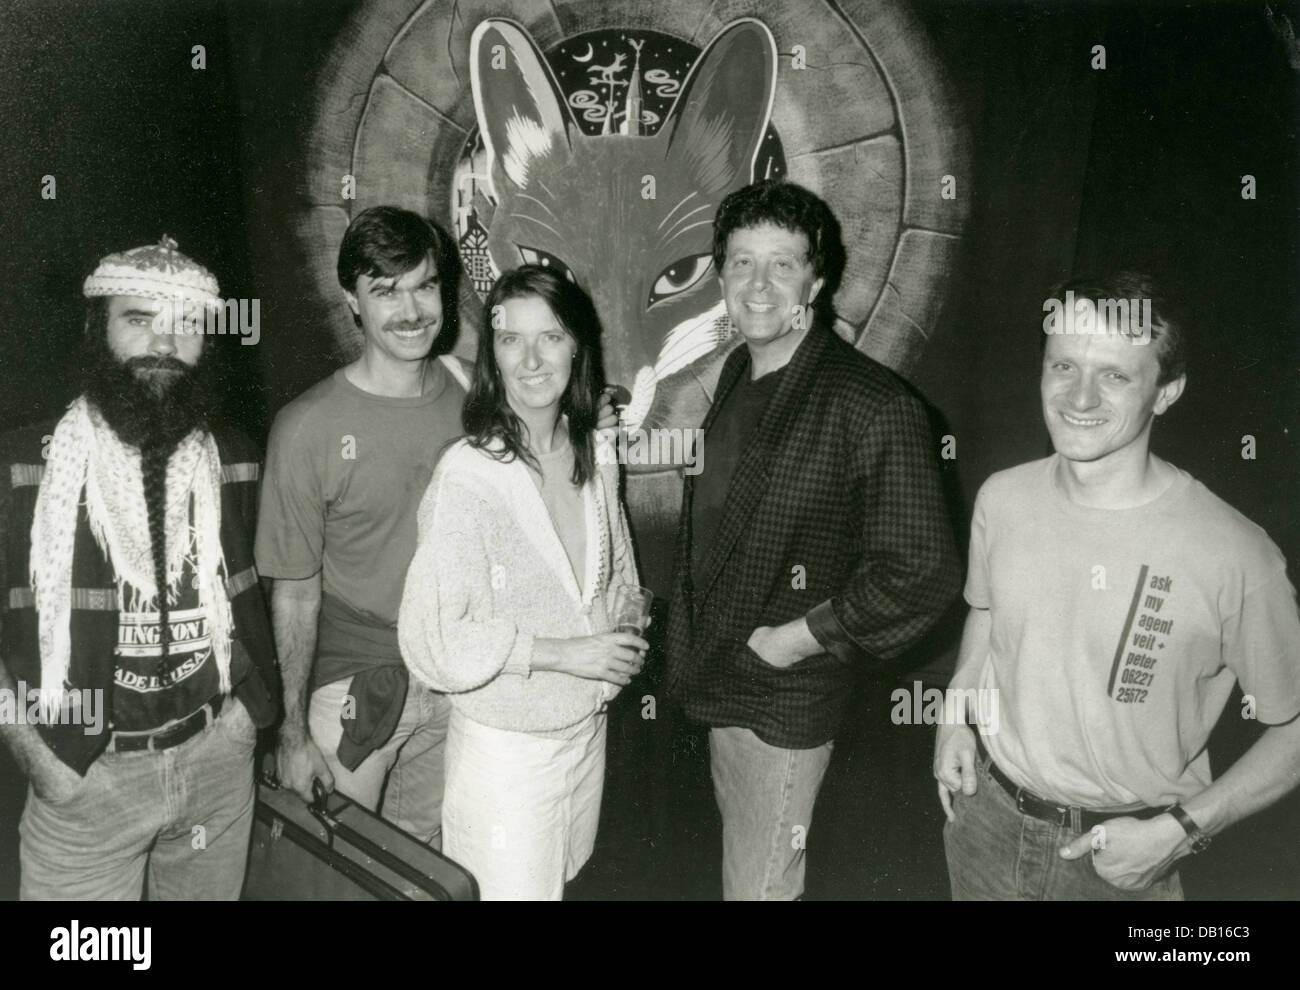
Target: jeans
{"x":996,"y":853}
{"x":410,"y":763}
{"x":180,"y":817}
{"x":766,"y":795}
{"x":522,"y":807}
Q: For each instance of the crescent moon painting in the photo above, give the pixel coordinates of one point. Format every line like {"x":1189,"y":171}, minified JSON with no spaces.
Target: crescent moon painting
{"x":849,"y":102}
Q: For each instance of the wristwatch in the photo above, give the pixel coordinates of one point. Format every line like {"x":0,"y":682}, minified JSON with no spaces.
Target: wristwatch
{"x":1200,"y":841}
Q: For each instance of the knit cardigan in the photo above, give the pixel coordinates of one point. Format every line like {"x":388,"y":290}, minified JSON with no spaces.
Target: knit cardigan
{"x":490,"y":575}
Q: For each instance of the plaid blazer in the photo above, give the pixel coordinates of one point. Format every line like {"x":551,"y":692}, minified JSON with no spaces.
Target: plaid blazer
{"x":834,"y":513}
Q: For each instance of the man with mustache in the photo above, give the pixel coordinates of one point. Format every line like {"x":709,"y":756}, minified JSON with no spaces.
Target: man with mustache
{"x":347,"y":463}
{"x":126,"y":544}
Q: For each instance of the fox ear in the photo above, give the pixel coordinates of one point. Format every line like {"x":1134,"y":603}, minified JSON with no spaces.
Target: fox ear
{"x":726,"y":102}
{"x":520,"y":107}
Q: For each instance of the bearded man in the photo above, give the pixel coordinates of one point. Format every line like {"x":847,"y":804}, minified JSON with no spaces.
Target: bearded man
{"x":133,"y":621}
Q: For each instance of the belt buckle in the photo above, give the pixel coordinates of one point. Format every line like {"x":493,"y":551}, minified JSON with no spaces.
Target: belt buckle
{"x":1064,"y":815}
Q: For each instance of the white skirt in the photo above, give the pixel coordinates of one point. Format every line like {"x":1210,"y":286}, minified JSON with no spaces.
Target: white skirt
{"x":520,"y":809}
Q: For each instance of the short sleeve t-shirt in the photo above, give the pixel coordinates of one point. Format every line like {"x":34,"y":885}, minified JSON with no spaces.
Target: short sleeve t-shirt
{"x":345,"y":472}
{"x":1117,"y":635}
{"x":147,"y":693}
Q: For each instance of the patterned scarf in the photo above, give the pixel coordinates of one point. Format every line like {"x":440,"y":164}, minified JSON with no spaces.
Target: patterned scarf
{"x":87,"y":455}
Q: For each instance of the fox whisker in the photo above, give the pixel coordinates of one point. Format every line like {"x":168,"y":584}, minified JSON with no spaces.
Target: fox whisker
{"x":706,"y":222}
{"x":525,"y":216}
{"x":689,"y":341}
{"x":684,"y":200}
{"x":672,"y":231}
{"x":534,"y":199}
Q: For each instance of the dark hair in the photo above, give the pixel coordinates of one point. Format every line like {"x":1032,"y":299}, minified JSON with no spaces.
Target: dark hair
{"x":387,"y":241}
{"x":792,"y":207}
{"x":1167,"y":321}
{"x":487,"y":415}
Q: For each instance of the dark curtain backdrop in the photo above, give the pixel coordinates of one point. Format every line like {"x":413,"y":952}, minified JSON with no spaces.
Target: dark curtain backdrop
{"x":1075,"y":169}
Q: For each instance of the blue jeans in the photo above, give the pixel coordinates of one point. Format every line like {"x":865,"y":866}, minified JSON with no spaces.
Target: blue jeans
{"x":402,"y":780}
{"x":996,"y":853}
{"x":183,"y":813}
{"x":766,"y":795}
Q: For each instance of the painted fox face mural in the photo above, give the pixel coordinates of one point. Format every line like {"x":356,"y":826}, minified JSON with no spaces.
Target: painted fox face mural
{"x":628,"y":216}
{"x":601,"y":138}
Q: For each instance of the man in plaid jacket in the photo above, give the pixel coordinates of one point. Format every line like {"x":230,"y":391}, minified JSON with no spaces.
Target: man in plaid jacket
{"x":816,"y":539}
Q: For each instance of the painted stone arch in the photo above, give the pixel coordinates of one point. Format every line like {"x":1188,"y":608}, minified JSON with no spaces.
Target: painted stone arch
{"x":421,"y":102}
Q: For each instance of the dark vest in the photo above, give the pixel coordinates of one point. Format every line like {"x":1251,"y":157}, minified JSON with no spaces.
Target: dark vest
{"x":94,"y":619}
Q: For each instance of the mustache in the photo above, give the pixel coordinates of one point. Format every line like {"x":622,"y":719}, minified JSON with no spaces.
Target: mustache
{"x":404,"y":325}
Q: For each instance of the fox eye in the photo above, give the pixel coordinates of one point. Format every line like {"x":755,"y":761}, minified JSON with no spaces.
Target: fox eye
{"x":532,"y":256}
{"x":680,"y":276}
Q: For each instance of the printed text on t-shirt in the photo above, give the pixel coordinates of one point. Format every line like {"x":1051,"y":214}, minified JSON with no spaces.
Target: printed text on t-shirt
{"x":1137,"y":654}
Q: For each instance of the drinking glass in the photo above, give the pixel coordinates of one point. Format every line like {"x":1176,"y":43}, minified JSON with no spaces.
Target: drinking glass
{"x":631,"y":608}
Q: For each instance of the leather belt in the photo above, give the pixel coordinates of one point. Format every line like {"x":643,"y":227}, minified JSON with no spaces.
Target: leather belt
{"x":173,"y":735}
{"x":1027,"y":803}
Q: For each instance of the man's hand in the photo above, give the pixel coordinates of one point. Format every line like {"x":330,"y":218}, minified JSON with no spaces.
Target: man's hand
{"x":781,"y":646}
{"x":1135,"y":853}
{"x":606,"y":414}
{"x":56,"y":781}
{"x":954,"y":764}
{"x":51,"y":778}
{"x":295,"y":612}
{"x":298,"y":761}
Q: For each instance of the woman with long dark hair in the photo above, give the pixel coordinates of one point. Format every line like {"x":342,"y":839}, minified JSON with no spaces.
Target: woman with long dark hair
{"x":523,"y":542}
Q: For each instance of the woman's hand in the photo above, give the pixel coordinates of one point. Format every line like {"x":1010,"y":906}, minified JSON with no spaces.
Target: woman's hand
{"x":616,"y":657}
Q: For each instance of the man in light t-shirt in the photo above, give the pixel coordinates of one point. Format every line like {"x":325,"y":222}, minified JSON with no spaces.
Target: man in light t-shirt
{"x":1114,"y":603}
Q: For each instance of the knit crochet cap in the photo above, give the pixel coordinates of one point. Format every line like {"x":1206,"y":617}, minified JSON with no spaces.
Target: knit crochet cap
{"x":155,"y":271}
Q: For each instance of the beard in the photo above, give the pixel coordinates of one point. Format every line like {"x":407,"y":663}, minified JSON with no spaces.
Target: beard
{"x":149,"y":402}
